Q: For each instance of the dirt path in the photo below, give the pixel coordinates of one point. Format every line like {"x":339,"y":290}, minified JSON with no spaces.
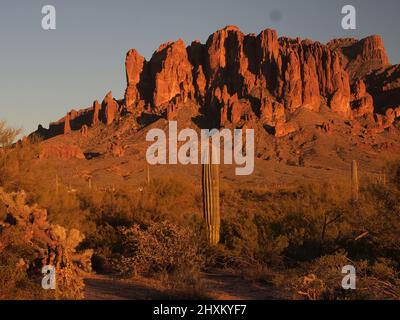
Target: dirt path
{"x":220,"y":287}
{"x":100,"y":287}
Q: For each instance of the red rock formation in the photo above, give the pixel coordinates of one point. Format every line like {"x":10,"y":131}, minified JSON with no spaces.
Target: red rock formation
{"x":311,"y":98}
{"x":67,"y":125}
{"x":109,"y":108}
{"x":234,"y":77}
{"x":361,"y":57}
{"x":384,"y":86}
{"x":134,"y":65}
{"x":171,"y":72}
{"x":372,"y":48}
{"x":272,"y":111}
{"x":277,"y":76}
{"x":171,"y":111}
{"x":326,"y":127}
{"x":284,"y":128}
{"x":96,"y":113}
{"x":84,"y":131}
{"x":362,"y":102}
{"x":397,"y":112}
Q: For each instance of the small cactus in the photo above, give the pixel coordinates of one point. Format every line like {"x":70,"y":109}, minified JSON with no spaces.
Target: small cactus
{"x":354,"y":181}
{"x":211,"y":201}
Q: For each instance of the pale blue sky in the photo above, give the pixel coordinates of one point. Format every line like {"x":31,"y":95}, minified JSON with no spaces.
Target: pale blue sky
{"x":43,"y":74}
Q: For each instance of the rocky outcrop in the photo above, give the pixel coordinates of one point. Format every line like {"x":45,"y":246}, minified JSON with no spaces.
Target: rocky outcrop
{"x":276,"y":76}
{"x":384,"y":86}
{"x":326,"y":127}
{"x":360,"y":58}
{"x":235,"y":78}
{"x":96,"y":113}
{"x":283,"y":129}
{"x":109,"y":108}
{"x":84,"y":131}
{"x":362,"y":102}
{"x":171,"y":73}
{"x":271,"y":111}
{"x":67,"y":125}
{"x":60,"y":152}
{"x":134,"y":65}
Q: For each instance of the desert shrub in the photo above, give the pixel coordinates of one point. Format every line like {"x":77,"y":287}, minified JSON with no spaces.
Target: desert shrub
{"x":161,"y":248}
{"x":186,"y":285}
{"x":269,"y":226}
{"x":239,"y":234}
{"x":133,"y":205}
{"x":170,"y":199}
{"x":378,"y":216}
{"x":7,"y":134}
{"x":16,"y":166}
{"x":20,"y":279}
{"x":323,"y":280}
{"x":14,"y":280}
{"x":312,"y":221}
{"x":15,"y":283}
{"x":63,"y":208}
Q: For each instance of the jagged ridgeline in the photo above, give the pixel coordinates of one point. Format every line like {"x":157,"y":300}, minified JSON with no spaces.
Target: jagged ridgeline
{"x":235,"y":78}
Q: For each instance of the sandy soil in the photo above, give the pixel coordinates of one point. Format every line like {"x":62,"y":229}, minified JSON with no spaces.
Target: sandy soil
{"x":219,"y":287}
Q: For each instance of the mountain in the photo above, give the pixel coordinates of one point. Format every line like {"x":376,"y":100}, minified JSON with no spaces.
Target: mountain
{"x":313,"y":105}
{"x":233,"y":77}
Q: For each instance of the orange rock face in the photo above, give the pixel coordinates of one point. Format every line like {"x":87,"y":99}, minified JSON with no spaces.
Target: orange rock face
{"x":171,"y":73}
{"x":134,"y":65}
{"x":361,"y":57}
{"x":293,"y":73}
{"x":84,"y":131}
{"x":110,"y":108}
{"x":96,"y":113}
{"x":272,"y":112}
{"x":67,"y":125}
{"x":234,"y":77}
{"x":362,"y":102}
{"x":384,"y":86}
{"x":283,"y":129}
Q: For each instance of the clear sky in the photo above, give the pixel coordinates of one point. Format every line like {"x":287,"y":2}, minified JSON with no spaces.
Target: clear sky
{"x":44,"y":74}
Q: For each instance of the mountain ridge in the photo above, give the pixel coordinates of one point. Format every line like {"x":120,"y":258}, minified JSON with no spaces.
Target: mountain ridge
{"x":234,"y":77}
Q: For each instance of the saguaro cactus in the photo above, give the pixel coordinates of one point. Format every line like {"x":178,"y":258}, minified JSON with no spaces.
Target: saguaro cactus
{"x":354,"y":181}
{"x":211,"y":204}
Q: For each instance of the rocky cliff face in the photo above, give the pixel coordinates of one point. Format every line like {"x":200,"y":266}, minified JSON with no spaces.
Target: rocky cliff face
{"x":235,"y":78}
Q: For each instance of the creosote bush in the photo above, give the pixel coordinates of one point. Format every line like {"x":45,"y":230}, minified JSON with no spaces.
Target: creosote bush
{"x":161,"y":248}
